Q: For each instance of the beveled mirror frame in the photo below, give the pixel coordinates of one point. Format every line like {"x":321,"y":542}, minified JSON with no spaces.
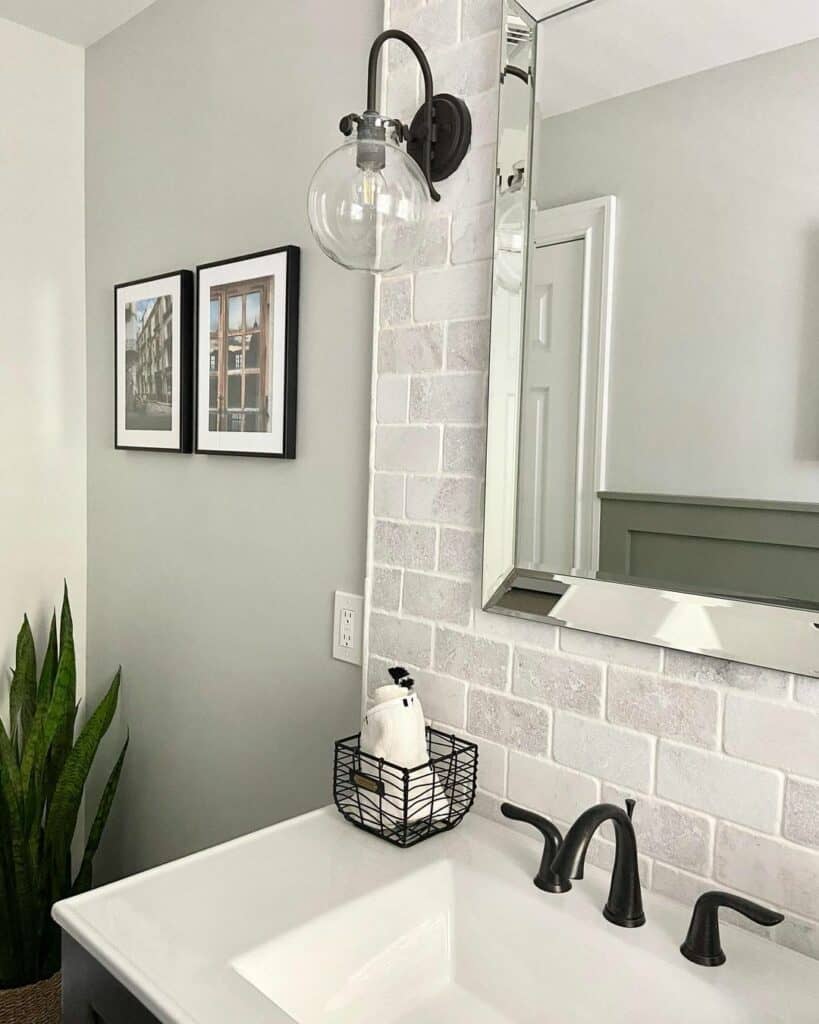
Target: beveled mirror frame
{"x":776,"y":636}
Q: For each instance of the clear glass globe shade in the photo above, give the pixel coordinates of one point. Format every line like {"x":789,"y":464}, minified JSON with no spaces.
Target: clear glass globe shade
{"x":509,"y":240}
{"x":364,"y":218}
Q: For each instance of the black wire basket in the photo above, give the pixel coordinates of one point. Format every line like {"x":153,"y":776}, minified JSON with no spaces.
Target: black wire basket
{"x":405,"y":806}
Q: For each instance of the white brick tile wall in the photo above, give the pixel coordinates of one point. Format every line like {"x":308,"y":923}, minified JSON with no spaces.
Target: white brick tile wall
{"x":392,"y":399}
{"x":410,"y":449}
{"x":472,"y":658}
{"x":549,"y":789}
{"x":413,"y":349}
{"x":653,"y":704}
{"x":604,"y":750}
{"x":459,"y":552}
{"x":403,"y":96}
{"x":453,"y":294}
{"x":722,"y":786}
{"x":448,"y":398}
{"x":472,"y":185}
{"x":444,"y":700}
{"x":404,"y":544}
{"x":610,"y":649}
{"x":699,"y":669}
{"x":807,"y":691}
{"x":484,"y":110}
{"x":672,"y":834}
{"x":388,"y":495}
{"x":395,"y":301}
{"x":386,"y":589}
{"x":515,"y":723}
{"x":435,"y":245}
{"x":452,"y":500}
{"x":558,"y":680}
{"x":473,"y":68}
{"x":479,"y":17}
{"x":801,"y":823}
{"x":682,"y":885}
{"x":781,"y":735}
{"x":401,"y":639}
{"x":472,"y":233}
{"x":723,"y":758}
{"x":520,"y":631}
{"x":464,"y":449}
{"x":434,"y":25}
{"x":773,"y":870}
{"x":467,"y":345}
{"x":437,"y":598}
{"x":491,"y":765}
{"x":798,"y":933}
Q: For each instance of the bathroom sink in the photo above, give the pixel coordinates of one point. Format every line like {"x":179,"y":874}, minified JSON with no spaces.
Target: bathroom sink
{"x":315,"y":922}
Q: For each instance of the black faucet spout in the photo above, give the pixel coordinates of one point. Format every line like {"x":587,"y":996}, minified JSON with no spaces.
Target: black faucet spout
{"x":625,"y":903}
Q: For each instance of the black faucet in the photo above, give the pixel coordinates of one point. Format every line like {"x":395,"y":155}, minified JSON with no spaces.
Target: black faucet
{"x":545,"y":879}
{"x":625,"y":903}
{"x":702,"y":944}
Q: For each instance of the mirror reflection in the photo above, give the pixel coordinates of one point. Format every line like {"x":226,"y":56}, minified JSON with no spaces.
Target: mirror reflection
{"x":654,"y":387}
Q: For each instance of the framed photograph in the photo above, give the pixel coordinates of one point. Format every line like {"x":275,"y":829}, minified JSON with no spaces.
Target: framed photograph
{"x":153,"y":393}
{"x":247,"y":355}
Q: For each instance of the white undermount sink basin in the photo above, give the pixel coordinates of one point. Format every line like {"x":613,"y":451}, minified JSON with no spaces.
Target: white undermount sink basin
{"x":316,"y":922}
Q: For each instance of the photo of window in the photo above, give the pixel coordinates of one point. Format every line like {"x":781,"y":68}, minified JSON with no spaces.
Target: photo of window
{"x":246,"y":355}
{"x":153,"y":352}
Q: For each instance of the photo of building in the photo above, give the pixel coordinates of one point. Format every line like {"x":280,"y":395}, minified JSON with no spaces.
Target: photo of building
{"x":239,"y":346}
{"x":149,"y":364}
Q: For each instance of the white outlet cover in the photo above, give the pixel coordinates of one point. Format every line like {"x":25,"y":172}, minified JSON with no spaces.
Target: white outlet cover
{"x":353,"y":606}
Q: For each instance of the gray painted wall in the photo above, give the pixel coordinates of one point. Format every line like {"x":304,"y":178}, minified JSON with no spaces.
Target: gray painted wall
{"x":716,"y":311}
{"x":211,"y":578}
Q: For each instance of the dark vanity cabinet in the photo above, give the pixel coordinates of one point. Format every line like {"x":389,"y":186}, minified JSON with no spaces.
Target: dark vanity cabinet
{"x":93,"y":996}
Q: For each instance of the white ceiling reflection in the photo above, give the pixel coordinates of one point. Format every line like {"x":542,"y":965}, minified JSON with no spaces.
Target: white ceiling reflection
{"x":608,"y":48}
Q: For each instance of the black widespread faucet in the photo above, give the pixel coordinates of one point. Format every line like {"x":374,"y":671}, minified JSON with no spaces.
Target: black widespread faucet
{"x":702,"y":943}
{"x":625,"y":903}
{"x":545,"y":879}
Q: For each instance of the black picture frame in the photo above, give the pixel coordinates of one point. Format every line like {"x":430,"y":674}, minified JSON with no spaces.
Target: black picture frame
{"x":288,"y":323}
{"x":182,"y":437}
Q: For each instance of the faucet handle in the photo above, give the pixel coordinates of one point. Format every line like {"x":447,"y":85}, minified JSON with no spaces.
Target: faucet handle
{"x":630,"y":805}
{"x":545,"y":879}
{"x":702,"y":943}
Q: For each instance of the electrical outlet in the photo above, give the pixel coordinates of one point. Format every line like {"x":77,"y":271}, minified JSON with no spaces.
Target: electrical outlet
{"x":347,"y":637}
{"x":348,"y":619}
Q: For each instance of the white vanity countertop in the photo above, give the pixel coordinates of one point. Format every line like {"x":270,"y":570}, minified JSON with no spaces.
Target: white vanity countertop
{"x":338,"y":926}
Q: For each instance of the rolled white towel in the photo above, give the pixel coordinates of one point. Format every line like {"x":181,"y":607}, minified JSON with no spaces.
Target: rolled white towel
{"x":395,"y":729}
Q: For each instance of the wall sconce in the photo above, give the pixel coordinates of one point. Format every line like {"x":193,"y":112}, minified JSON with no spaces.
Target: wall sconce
{"x":368,"y":200}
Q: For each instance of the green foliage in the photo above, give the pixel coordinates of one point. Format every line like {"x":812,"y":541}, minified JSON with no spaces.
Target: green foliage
{"x":43,"y":772}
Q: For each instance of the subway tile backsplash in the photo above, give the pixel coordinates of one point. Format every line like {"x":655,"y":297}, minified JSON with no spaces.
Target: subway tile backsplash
{"x":722,"y":758}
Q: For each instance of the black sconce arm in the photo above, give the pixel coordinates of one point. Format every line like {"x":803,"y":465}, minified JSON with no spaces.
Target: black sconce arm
{"x":426,"y":72}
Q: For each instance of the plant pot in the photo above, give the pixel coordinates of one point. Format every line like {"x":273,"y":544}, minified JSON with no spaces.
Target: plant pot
{"x":34,"y":1004}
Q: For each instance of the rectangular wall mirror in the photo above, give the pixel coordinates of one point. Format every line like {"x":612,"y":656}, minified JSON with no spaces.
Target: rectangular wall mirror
{"x":653,"y":437}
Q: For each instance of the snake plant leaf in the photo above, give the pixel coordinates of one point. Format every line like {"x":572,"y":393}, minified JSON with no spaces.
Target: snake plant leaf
{"x":34,"y":753}
{"x":66,"y":620}
{"x":64,"y":806}
{"x":65,"y":737}
{"x":23,"y":686}
{"x":61,"y":715}
{"x":48,"y":673}
{"x":42,"y":777}
{"x":10,"y":784}
{"x":10,"y":937}
{"x":84,"y":878}
{"x":21,"y":873}
{"x":52,"y":730}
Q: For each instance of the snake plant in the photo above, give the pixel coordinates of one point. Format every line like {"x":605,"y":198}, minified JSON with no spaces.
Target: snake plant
{"x":43,"y":771}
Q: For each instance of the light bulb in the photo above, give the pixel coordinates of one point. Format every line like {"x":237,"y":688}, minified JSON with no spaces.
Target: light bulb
{"x":367,"y":205}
